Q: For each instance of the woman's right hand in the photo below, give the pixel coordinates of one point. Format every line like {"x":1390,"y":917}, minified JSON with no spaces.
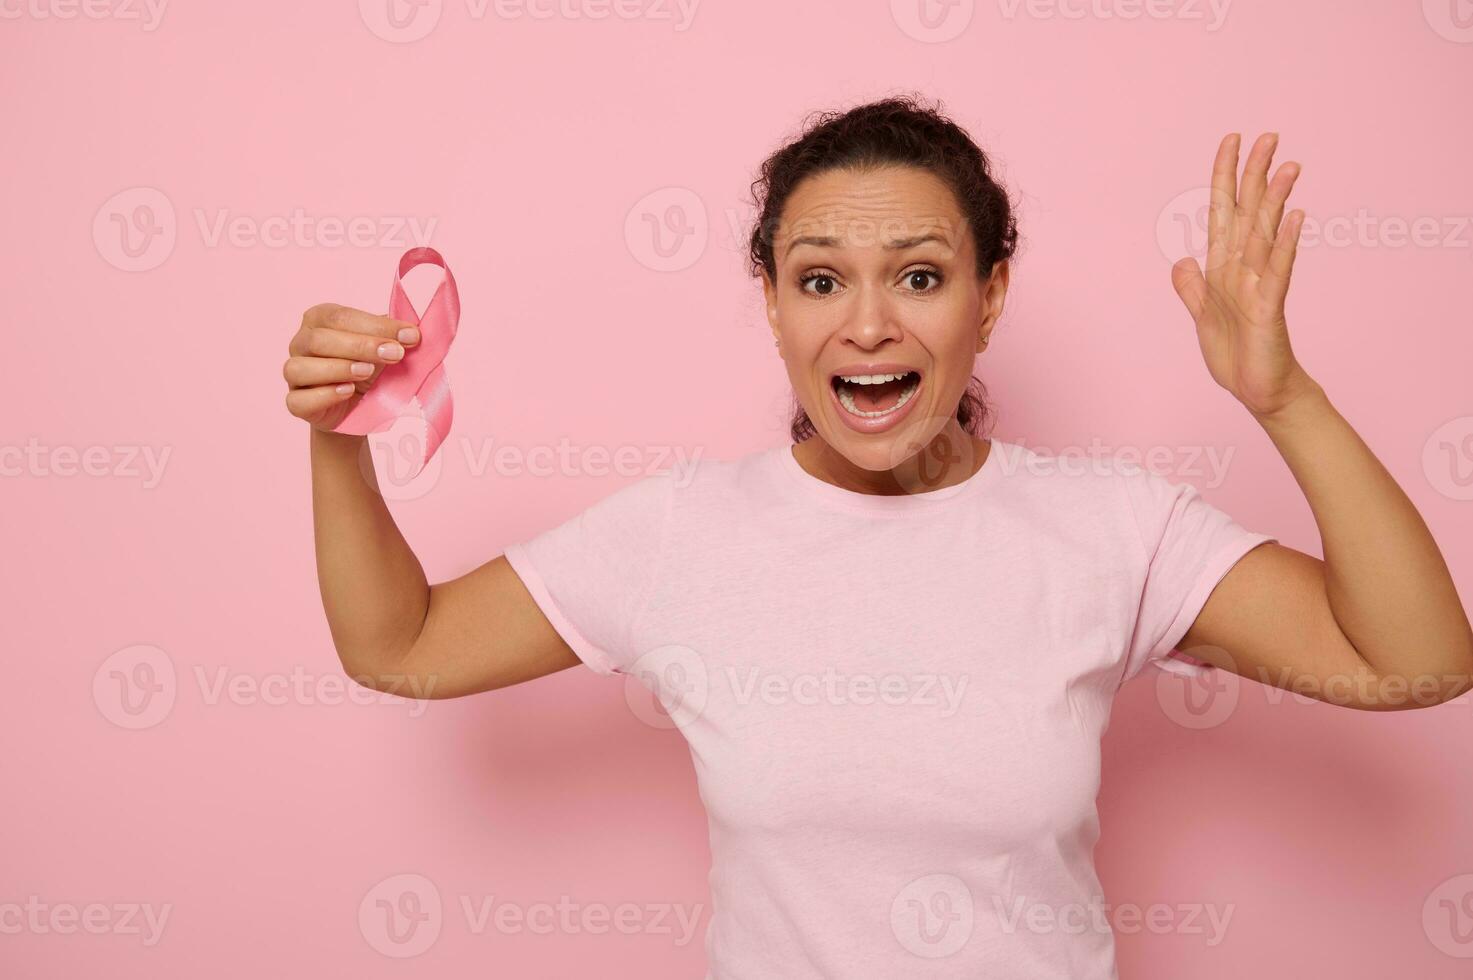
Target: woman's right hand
{"x":336,"y":355}
{"x":393,"y":631}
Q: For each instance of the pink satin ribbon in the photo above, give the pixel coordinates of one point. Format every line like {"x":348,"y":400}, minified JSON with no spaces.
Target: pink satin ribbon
{"x":419,"y":378}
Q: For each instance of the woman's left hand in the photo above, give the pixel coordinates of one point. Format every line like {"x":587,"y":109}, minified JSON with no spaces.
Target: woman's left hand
{"x":1238,"y":305}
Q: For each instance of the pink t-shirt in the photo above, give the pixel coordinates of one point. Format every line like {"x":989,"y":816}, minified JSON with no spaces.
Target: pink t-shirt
{"x":893,"y":703}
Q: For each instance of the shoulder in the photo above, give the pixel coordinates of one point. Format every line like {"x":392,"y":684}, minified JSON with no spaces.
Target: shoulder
{"x":685,"y":485}
{"x":1094,"y":493}
{"x":694,"y":477}
{"x":1071,"y":476}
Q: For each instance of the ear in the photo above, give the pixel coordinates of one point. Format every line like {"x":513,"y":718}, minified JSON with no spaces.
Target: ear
{"x":994,"y":294}
{"x":769,"y":296}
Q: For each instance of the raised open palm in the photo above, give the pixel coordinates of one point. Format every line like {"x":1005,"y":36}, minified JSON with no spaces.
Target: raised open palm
{"x":1238,"y":304}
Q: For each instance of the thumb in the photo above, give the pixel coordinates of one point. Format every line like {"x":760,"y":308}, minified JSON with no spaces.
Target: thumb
{"x":1186,"y":276}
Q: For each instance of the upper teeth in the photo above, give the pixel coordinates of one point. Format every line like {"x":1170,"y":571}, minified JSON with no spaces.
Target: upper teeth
{"x":870,"y":379}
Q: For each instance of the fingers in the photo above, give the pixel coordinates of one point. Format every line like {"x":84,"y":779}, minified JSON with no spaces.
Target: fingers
{"x":310,"y":403}
{"x":302,"y":372}
{"x":1275,"y":281}
{"x":336,"y":347}
{"x":370,"y":327}
{"x":1250,"y":192}
{"x":347,"y":344}
{"x":1222,"y":203}
{"x":1270,"y":212}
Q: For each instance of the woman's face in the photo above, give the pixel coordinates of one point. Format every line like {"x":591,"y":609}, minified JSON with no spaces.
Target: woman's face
{"x":878,"y":310}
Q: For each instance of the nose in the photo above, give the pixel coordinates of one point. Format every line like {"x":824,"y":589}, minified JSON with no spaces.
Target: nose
{"x":870,"y":319}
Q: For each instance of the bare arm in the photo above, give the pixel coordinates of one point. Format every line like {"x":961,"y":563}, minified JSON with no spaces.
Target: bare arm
{"x":1378,"y":623}
{"x":393,"y":630}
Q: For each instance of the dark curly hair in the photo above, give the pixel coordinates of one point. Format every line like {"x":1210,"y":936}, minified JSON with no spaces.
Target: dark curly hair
{"x":901,"y":130}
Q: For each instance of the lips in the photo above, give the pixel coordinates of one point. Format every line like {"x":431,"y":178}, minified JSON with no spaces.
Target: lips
{"x":872,"y":398}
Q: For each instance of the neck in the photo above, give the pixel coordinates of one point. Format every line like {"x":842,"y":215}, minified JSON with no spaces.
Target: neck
{"x":951,"y":457}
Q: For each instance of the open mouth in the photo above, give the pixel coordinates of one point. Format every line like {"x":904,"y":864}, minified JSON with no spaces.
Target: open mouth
{"x":873,"y":396}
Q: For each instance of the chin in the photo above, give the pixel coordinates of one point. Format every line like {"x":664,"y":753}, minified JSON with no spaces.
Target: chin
{"x":878,"y":451}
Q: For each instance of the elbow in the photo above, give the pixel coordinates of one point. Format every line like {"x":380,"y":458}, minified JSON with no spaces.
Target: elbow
{"x":374,"y":670}
{"x":397,"y":675}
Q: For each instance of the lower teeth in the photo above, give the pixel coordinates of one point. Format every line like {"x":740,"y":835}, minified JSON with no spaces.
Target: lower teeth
{"x":847,"y":400}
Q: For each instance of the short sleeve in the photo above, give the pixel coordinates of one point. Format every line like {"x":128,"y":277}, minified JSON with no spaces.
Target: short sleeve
{"x":593,"y":574}
{"x":1188,"y":546}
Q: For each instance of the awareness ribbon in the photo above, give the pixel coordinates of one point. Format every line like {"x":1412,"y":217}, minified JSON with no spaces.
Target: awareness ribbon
{"x":420,"y":375}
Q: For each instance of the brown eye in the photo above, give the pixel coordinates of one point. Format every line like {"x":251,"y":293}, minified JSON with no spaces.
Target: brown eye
{"x":825,"y":283}
{"x":919,"y":278}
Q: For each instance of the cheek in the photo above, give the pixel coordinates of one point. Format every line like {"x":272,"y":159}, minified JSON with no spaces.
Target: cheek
{"x":951,"y":337}
{"x":804,"y":335}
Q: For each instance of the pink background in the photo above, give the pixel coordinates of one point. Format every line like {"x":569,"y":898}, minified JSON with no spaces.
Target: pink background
{"x":264,"y":815}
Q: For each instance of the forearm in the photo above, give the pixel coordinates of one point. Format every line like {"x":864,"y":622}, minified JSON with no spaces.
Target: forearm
{"x":1386,"y":580}
{"x":374,"y":589}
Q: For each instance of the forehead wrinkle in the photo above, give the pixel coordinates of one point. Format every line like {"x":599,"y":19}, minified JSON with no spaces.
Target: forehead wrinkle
{"x":893,"y":245}
{"x":870,"y":209}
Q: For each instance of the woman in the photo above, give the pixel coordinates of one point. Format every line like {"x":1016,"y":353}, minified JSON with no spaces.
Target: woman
{"x":893,"y":646}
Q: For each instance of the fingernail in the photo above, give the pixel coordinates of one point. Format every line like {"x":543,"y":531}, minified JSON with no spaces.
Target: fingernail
{"x":409,"y":335}
{"x":361,"y":369}
{"x":345,"y":388}
{"x":390,"y":351}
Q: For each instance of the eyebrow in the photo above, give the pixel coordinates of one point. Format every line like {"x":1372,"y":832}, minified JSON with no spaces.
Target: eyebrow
{"x":827,"y":241}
